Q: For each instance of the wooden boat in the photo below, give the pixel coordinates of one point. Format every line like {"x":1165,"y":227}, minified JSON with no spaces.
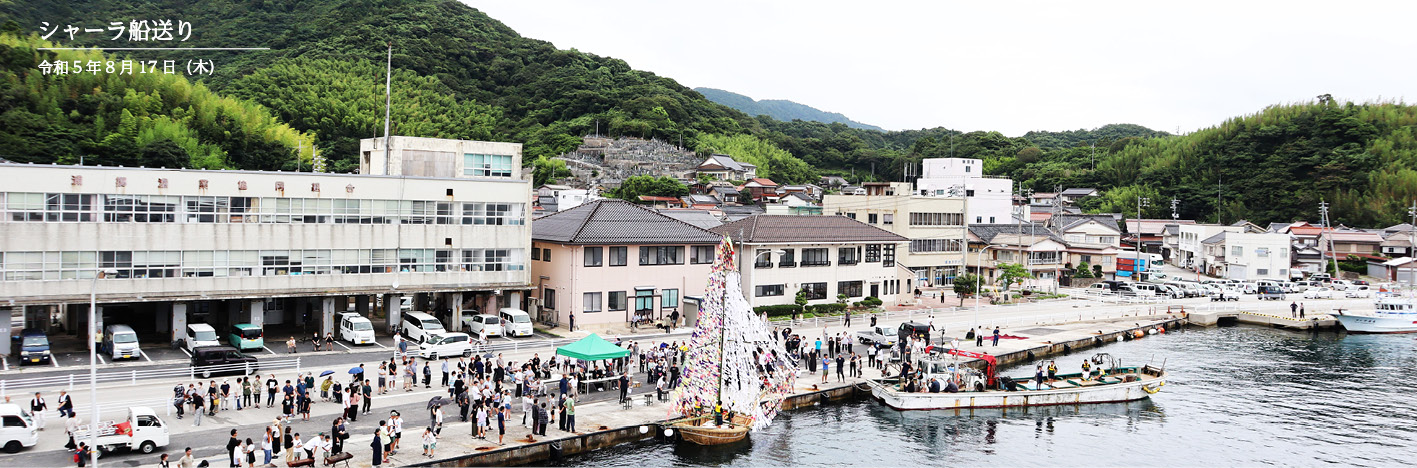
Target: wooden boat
{"x":701,"y":430}
{"x":1118,"y":384}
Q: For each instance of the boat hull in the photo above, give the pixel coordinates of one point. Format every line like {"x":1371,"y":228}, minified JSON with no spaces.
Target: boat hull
{"x":1372,"y":324}
{"x":694,"y":431}
{"x":1109,"y":393}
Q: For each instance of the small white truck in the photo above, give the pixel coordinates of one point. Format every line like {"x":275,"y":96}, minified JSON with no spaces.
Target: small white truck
{"x":144,"y":431}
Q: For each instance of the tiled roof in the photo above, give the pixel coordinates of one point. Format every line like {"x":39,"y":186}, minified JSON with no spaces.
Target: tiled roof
{"x":1077,"y":192}
{"x":763,"y":182}
{"x":789,"y":228}
{"x":1068,"y":221}
{"x":726,"y":161}
{"x":1352,"y":236}
{"x":1215,"y":239}
{"x":987,"y":232}
{"x":700,"y":218}
{"x":617,"y":222}
{"x":1404,"y":227}
{"x":658,"y":198}
{"x":1153,"y":226}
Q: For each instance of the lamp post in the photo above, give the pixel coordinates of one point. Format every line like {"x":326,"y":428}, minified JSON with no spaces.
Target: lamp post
{"x":978,"y":280}
{"x":93,"y":363}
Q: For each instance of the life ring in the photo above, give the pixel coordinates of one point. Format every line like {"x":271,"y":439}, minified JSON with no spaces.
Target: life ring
{"x":1152,"y":389}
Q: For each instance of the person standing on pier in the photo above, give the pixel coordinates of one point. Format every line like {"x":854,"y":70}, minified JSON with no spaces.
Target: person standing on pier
{"x":840,"y":365}
{"x":1301,"y":310}
{"x":1294,"y":309}
{"x":996,"y":336}
{"x":37,"y":408}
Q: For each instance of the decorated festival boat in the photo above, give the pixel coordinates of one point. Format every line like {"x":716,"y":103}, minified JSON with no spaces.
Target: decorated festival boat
{"x":941,"y":383}
{"x":735,"y":375}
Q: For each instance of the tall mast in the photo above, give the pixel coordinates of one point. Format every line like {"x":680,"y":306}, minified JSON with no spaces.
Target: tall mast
{"x":388,"y":105}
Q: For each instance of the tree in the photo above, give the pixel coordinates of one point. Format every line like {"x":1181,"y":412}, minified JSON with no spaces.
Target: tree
{"x":1012,"y":273}
{"x":1083,"y":271}
{"x":663,"y":186}
{"x":801,"y":298}
{"x":1029,"y":155}
{"x":841,"y":298}
{"x":965,"y":285}
{"x":548,"y":171}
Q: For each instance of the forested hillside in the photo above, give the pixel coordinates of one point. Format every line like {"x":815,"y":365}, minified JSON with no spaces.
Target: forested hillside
{"x":779,"y":109}
{"x":461,"y":74}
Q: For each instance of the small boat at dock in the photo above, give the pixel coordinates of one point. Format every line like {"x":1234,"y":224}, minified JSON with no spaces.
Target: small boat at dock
{"x":984,"y":389}
{"x":1391,"y":314}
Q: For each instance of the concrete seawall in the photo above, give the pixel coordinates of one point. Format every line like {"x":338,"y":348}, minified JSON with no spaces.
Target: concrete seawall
{"x":553,"y":449}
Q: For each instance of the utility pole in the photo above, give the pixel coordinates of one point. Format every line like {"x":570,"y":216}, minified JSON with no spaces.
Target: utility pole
{"x":299,"y":148}
{"x":1323,"y":215}
{"x":1174,"y":204}
{"x":1219,"y":215}
{"x":1412,"y":239}
{"x":1136,"y":239}
{"x":388,"y":103}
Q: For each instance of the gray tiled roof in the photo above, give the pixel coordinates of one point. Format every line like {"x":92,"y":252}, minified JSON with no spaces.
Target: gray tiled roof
{"x":790,"y":228}
{"x":733,"y":213}
{"x":1075,"y":192}
{"x":1219,"y":237}
{"x":987,"y":232}
{"x":700,"y":218}
{"x":1067,"y":221}
{"x":727,"y":162}
{"x":617,"y":222}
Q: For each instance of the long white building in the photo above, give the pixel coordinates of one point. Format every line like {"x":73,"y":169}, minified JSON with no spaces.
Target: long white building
{"x":227,"y":247}
{"x":990,"y":198}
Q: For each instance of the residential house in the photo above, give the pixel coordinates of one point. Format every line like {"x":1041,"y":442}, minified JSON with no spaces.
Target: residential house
{"x":798,"y":199}
{"x":990,"y":197}
{"x":1151,"y":233}
{"x":812,"y":190}
{"x":1399,"y":270}
{"x":661,"y":202}
{"x":759,"y":189}
{"x":934,"y":225}
{"x":1094,"y":240}
{"x":1191,"y":252}
{"x":726,"y":194}
{"x":1034,"y":246}
{"x":733,"y":213}
{"x":1248,"y":255}
{"x":821,"y":255}
{"x":1397,"y":244}
{"x":1350,"y":242}
{"x":1072,"y":195}
{"x":700,"y":201}
{"x":700,"y":218}
{"x":832,"y":181}
{"x":852,"y":190}
{"x":723,"y":167}
{"x":1404,"y":228}
{"x":610,"y":262}
{"x":1043,"y":198}
{"x":551,"y":189}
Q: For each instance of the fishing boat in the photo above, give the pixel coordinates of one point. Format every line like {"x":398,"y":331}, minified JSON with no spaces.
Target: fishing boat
{"x":735,"y":375}
{"x":983,"y":389}
{"x":1390,"y":314}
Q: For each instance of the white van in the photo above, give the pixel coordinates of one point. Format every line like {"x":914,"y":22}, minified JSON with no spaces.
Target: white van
{"x":418,"y":325}
{"x":120,"y":341}
{"x":355,"y":329}
{"x":515,"y":322}
{"x":1148,"y":289}
{"x":17,"y":429}
{"x":198,"y":335}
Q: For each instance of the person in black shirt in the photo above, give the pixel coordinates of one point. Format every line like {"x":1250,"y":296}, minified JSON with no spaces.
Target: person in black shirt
{"x":233,"y":458}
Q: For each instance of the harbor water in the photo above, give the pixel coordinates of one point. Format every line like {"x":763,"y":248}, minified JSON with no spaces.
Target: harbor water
{"x":1235,"y":396}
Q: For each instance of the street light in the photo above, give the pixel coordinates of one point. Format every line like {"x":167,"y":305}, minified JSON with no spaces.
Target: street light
{"x":978,"y":279}
{"x":93,"y":361}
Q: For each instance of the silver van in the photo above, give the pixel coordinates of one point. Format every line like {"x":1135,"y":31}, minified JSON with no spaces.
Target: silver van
{"x":120,"y":342}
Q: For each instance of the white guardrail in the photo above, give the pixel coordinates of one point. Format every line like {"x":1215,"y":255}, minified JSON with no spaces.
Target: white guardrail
{"x":131,"y":377}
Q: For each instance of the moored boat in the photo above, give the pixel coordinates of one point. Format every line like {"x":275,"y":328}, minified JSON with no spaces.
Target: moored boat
{"x":1391,"y":314}
{"x":985,"y":390}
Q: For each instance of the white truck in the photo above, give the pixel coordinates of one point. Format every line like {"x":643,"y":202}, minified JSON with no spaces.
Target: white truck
{"x":143,"y":431}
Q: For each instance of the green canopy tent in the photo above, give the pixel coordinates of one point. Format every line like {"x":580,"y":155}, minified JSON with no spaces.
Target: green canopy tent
{"x":593,"y":348}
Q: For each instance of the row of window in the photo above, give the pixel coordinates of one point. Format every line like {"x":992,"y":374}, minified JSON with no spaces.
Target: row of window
{"x":619,"y":300}
{"x":112,"y":208}
{"x":937,"y":219}
{"x":936,"y":245}
{"x":487,"y":165}
{"x":53,"y":265}
{"x":871,"y":253}
{"x":813,"y":291}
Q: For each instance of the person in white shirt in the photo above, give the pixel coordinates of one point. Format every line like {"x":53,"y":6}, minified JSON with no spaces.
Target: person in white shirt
{"x":437,"y":419}
{"x":311,"y":447}
{"x":430,"y":442}
{"x":37,"y":409}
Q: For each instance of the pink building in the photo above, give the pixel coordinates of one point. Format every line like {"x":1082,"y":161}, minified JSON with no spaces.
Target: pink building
{"x":609,"y":262}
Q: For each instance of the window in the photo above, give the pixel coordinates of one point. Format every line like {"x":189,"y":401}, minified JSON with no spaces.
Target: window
{"x":762,"y":258}
{"x":546,"y":255}
{"x":936,"y":245}
{"x":701,"y":254}
{"x":491,"y":214}
{"x":549,"y":297}
{"x":617,"y":300}
{"x":536,"y":254}
{"x":669,"y":298}
{"x":871,"y":218}
{"x":888,"y":218}
{"x":592,"y":302}
{"x":487,"y":165}
{"x":617,"y":256}
{"x":936,"y":219}
{"x":765,"y":290}
{"x":1262,"y":271}
{"x":888,"y":256}
{"x":1262,"y":253}
{"x":669,"y":255}
{"x":991,"y":220}
{"x":849,"y":288}
{"x":873,"y":253}
{"x":789,"y":258}
{"x":816,"y":257}
{"x":593,"y":256}
{"x":1237,"y":251}
{"x":979,"y":220}
{"x":815,"y":290}
{"x":851,"y":215}
{"x":847,"y":256}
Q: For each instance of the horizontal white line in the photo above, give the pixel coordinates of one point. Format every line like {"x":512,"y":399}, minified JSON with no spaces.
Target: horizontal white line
{"x":154,"y":48}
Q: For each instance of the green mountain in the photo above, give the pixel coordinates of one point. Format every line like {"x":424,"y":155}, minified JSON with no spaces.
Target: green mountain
{"x":461,"y":74}
{"x":779,"y":109}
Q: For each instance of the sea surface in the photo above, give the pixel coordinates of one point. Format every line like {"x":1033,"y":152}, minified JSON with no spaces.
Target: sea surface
{"x":1236,"y":396}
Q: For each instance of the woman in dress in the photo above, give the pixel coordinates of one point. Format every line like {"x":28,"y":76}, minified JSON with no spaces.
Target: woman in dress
{"x":378,"y":445}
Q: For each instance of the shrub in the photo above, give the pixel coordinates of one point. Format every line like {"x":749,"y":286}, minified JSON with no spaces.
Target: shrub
{"x":826,"y":308}
{"x":779,"y":310}
{"x":871,"y":301}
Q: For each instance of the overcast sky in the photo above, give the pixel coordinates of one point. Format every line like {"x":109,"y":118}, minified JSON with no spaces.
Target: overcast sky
{"x":995,"y":65}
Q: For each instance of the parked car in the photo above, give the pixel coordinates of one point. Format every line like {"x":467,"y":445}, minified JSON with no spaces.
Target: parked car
{"x":1249,"y":288}
{"x":1148,"y":289}
{"x":1175,"y":292}
{"x":244,"y":336}
{"x":1223,"y":294}
{"x":214,"y":360}
{"x":441,"y":345}
{"x":18,"y":430}
{"x":881,"y":337}
{"x":145,"y":432}
{"x":1272,"y":293}
{"x":1358,"y":291}
{"x":1339,"y":285}
{"x":34,"y":347}
{"x":355,"y":329}
{"x":907,"y":329}
{"x":1320,"y":277}
{"x":1318,"y":293}
{"x":120,"y":341}
{"x":516,"y":322}
{"x":418,"y":325}
{"x":488,"y":324}
{"x":197,"y":335}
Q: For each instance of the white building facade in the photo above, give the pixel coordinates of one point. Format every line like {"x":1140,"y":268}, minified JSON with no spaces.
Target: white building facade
{"x":933,"y":224}
{"x":822,"y":255}
{"x":990,"y":197}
